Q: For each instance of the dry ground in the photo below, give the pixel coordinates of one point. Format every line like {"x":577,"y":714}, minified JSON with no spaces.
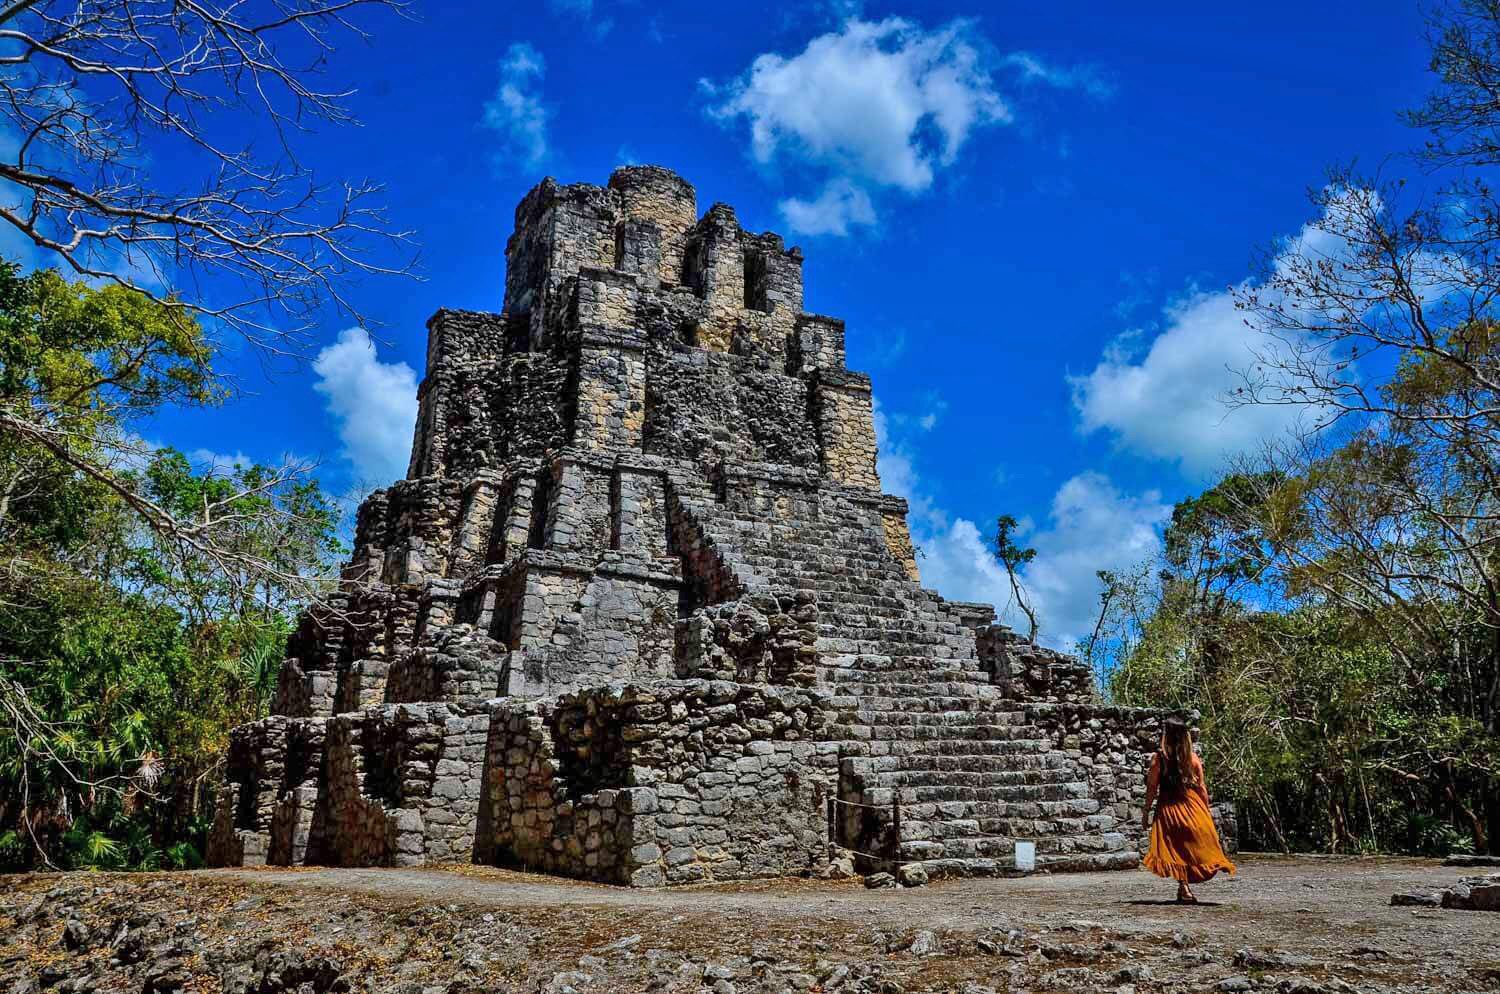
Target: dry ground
{"x":1292,"y":925}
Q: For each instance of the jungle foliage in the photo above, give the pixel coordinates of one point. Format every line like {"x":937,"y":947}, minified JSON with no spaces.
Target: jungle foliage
{"x":1332,"y":603}
{"x":144,"y":604}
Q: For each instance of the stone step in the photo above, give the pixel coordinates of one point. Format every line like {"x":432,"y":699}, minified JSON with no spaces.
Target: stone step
{"x":882,"y":692}
{"x":1048,"y":802}
{"x":872,"y":641}
{"x":986,"y":723}
{"x":872,"y":713}
{"x":856,"y":669}
{"x":912,"y":742}
{"x":918,"y":697}
{"x":974,"y":769}
{"x":1056,"y":852}
{"x":914,"y":750}
{"x":872,"y":765}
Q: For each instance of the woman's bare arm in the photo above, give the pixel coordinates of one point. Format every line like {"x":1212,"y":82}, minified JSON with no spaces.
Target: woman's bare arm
{"x":1153,"y":782}
{"x":1202,"y":785}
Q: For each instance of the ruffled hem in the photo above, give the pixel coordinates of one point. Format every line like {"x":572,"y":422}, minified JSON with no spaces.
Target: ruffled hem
{"x":1188,"y":873}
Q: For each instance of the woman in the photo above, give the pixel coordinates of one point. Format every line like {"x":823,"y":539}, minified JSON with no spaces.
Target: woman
{"x":1184,"y":841}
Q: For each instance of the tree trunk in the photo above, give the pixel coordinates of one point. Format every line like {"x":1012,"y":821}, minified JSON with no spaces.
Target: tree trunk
{"x":1462,"y":811}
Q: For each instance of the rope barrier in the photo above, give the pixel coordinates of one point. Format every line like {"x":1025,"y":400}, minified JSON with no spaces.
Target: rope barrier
{"x":860,"y":804}
{"x":883,"y":859}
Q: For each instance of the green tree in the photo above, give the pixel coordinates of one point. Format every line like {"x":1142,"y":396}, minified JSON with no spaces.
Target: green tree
{"x":142,"y":609}
{"x":1013,"y":558}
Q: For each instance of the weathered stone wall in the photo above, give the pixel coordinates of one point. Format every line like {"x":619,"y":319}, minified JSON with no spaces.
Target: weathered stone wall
{"x":1113,"y":746}
{"x":593,"y":621}
{"x":898,"y":534}
{"x":760,"y":638}
{"x":402,"y":784}
{"x":817,"y":342}
{"x":421,"y":517}
{"x":1029,"y":672}
{"x":316,"y":651}
{"x":296,"y":824}
{"x":271,"y":780}
{"x":844,"y":413}
{"x":500,"y":411}
{"x":461,"y":663}
{"x":661,"y":198}
{"x":677,"y":782}
{"x":707,"y":408}
{"x":611,"y":405}
{"x":368,"y":557}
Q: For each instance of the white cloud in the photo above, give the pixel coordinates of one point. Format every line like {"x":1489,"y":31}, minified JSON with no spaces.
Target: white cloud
{"x":1168,"y":399}
{"x":374,"y":403}
{"x":516,"y":110}
{"x":1086,"y":78}
{"x":1090,"y":526}
{"x":840,"y":205}
{"x":874,"y":104}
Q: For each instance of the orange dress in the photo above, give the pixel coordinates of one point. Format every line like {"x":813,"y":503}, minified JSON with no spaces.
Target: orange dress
{"x":1184,"y":842}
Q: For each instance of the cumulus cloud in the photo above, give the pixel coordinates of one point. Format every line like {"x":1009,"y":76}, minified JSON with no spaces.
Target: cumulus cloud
{"x":1167,"y":399}
{"x":516,"y":111}
{"x":1165,"y":395}
{"x":875,"y":104}
{"x":374,"y":403}
{"x":840,"y":206}
{"x":1091,"y":525}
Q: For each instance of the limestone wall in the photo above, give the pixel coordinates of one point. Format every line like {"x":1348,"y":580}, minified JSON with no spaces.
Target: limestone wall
{"x":844,"y":412}
{"x":402,"y":784}
{"x":679,"y":782}
{"x":271,"y":781}
{"x":1030,"y":672}
{"x":759,"y":638}
{"x":817,"y":342}
{"x":709,"y":407}
{"x":533,"y":817}
{"x":421,"y":516}
{"x":501,"y":410}
{"x":592,"y":620}
{"x":661,"y":198}
{"x":461,"y":663}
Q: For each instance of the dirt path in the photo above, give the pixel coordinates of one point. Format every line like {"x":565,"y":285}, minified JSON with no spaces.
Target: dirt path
{"x":1297,"y":899}
{"x":1293,"y":926}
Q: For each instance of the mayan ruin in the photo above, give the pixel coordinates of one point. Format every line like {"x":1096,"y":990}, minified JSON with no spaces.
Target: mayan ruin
{"x":640,"y":612}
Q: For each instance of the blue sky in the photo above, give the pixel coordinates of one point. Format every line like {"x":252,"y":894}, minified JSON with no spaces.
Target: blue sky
{"x":1027,"y":213}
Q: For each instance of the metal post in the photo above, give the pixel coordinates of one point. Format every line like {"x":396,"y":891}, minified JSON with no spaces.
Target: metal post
{"x":896,"y":826}
{"x":832,"y":805}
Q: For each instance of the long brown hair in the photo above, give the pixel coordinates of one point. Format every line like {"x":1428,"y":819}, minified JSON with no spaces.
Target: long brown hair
{"x":1177,"y":769}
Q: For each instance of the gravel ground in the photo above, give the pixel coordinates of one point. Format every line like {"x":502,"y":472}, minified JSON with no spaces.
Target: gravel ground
{"x":1290,"y":925}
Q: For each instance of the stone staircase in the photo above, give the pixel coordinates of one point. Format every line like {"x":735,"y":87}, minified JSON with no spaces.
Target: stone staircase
{"x":918,"y":719}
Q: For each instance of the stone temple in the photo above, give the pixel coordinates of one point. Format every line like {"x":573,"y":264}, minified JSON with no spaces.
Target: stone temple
{"x":640,"y":612}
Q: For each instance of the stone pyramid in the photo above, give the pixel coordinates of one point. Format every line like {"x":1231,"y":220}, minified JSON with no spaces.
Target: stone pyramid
{"x":641,"y":613}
